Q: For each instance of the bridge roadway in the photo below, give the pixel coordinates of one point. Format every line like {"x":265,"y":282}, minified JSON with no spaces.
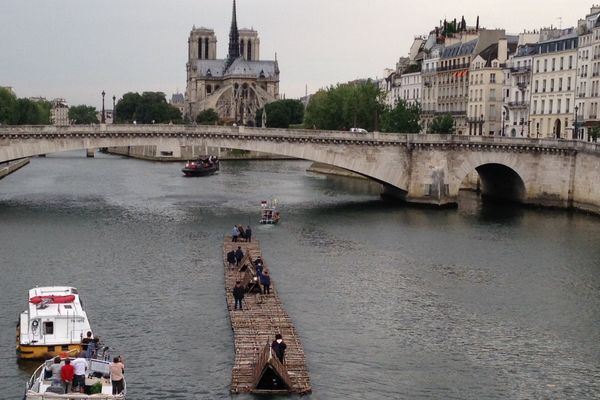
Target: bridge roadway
{"x":426,"y":169}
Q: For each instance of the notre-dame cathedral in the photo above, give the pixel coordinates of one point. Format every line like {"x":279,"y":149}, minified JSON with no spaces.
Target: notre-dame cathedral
{"x":235,"y":87}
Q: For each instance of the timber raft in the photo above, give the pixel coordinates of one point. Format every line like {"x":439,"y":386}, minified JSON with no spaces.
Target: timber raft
{"x":256,"y":368}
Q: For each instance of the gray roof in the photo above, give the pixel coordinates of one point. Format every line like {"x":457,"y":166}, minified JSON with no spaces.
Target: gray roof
{"x":459,"y":49}
{"x":240,"y":67}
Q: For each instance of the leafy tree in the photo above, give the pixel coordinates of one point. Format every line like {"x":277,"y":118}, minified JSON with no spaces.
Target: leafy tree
{"x":345,"y":106}
{"x":149,"y":107}
{"x":32,"y":112}
{"x":83,"y":114}
{"x":282,"y":114}
{"x":442,"y":124}
{"x":8,"y":107}
{"x":207,"y":117}
{"x":403,"y":118}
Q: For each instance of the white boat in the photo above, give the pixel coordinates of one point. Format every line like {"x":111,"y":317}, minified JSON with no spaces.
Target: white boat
{"x":269,"y":214}
{"x":98,"y":385}
{"x":54,"y":323}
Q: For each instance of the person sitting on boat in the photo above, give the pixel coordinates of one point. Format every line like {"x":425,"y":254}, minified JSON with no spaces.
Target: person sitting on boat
{"x":234,"y":234}
{"x":117,"y":368}
{"x":80,"y":365}
{"x":239,"y":255}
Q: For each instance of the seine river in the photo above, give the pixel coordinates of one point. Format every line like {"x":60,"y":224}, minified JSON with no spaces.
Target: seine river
{"x":482,"y":302}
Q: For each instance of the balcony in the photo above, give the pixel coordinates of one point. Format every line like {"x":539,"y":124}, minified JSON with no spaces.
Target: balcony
{"x":520,"y":70}
{"x":592,"y":117}
{"x":518,"y":104}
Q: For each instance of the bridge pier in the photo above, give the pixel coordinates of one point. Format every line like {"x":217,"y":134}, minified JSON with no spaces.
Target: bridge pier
{"x":89,"y":153}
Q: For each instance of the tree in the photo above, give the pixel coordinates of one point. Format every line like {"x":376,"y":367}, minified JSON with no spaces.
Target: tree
{"x":147,"y":108}
{"x":442,"y":124}
{"x":403,"y":118}
{"x":83,"y":114}
{"x":207,"y":117}
{"x":282,"y":114}
{"x":31,"y":112}
{"x":345,"y":106}
{"x":8,"y":107}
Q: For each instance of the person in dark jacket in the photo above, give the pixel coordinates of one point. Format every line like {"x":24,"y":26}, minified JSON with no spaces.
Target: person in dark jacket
{"x":248,"y":234}
{"x":239,"y":255}
{"x":265,"y":279}
{"x":279,"y":347}
{"x":231,"y":259}
{"x":238,"y":294}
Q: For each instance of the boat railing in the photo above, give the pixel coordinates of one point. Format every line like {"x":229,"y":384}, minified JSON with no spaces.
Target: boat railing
{"x":35,"y":375}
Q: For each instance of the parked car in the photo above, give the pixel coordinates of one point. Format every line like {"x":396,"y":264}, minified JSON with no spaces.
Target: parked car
{"x":358,"y":130}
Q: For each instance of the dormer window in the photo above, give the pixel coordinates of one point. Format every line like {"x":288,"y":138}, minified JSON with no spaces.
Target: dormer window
{"x":208,"y":73}
{"x":262,"y":74}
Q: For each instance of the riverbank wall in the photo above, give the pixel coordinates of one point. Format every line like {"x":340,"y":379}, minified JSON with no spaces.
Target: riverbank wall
{"x":12,"y":166}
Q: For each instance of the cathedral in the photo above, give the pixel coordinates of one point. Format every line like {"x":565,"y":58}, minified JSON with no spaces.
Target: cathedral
{"x":235,"y":87}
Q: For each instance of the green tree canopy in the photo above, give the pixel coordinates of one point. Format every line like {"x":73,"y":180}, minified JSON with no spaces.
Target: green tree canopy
{"x":8,"y":107}
{"x":345,"y":106}
{"x":282,"y":114}
{"x":31,"y":112}
{"x":207,"y":117}
{"x":403,"y":118}
{"x":83,"y":114}
{"x":146,"y":108}
{"x":442,"y":124}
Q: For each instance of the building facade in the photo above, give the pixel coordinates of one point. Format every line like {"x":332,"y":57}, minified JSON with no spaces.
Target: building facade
{"x":554,"y":78}
{"x":236,"y":86}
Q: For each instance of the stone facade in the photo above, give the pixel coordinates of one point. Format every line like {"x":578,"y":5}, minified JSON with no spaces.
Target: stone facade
{"x":236,"y":86}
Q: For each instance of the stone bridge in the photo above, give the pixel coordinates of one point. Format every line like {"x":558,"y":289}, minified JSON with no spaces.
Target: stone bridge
{"x":427,"y":169}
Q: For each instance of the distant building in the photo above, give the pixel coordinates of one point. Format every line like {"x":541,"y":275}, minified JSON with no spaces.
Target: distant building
{"x":178,"y":101}
{"x":59,"y":112}
{"x":235,"y":87}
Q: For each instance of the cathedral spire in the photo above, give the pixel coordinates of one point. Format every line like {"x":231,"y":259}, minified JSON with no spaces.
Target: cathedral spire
{"x":234,"y":39}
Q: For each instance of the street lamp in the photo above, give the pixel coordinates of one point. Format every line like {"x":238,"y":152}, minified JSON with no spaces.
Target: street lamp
{"x":503,"y":115}
{"x":576,"y":133}
{"x":103,"y":120}
{"x":114,"y":116}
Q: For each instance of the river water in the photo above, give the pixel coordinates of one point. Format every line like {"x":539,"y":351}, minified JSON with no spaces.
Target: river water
{"x":482,"y":302}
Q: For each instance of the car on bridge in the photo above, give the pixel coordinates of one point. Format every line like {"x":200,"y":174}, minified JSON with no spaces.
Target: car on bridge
{"x":358,"y":130}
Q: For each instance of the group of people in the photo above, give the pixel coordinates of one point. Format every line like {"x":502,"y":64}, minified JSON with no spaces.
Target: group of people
{"x":235,"y":257}
{"x":69,"y":376}
{"x":238,"y":232}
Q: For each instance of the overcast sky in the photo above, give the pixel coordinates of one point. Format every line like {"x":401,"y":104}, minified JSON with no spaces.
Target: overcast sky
{"x":77,"y":48}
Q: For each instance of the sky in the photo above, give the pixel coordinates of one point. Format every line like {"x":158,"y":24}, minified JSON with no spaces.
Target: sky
{"x":75,"y":49}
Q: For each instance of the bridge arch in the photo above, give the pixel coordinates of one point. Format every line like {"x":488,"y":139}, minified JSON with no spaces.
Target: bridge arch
{"x":501,"y":177}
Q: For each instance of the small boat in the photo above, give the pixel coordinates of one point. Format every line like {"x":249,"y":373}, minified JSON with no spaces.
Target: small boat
{"x":203,"y":166}
{"x":53,"y":323}
{"x":269,"y":214}
{"x":98,"y":384}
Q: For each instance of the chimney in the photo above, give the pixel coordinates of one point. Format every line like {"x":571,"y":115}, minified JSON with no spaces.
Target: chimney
{"x":502,"y":50}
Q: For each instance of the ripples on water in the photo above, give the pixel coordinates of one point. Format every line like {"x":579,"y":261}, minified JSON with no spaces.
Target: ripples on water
{"x":486,"y":301}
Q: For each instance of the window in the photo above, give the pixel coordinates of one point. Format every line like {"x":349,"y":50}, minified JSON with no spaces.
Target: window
{"x":568,"y":106}
{"x":535,"y":106}
{"x":558,"y":106}
{"x":545,"y":65}
{"x":537,"y":66}
{"x":544,"y":85}
{"x":550,"y":106}
{"x":48,"y":328}
{"x":493,"y":94}
{"x":492,"y":78}
{"x":536,"y":86}
{"x":562,"y":59}
{"x":570,"y":62}
{"x":560,"y":84}
{"x":568,"y":83}
{"x":543,"y":108}
{"x":552,"y":85}
{"x":553,"y":64}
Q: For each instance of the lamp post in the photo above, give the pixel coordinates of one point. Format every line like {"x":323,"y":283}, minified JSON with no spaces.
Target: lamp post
{"x":114,"y":116}
{"x":503,"y":115}
{"x":103,"y":119}
{"x":576,"y":133}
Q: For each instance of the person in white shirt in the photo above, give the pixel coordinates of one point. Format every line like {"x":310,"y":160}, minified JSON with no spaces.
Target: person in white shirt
{"x":80,"y":365}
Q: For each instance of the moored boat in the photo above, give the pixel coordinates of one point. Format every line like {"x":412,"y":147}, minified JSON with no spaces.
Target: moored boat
{"x":203,"y":166}
{"x":53,"y":323}
{"x":98,"y":384}
{"x":269,"y":214}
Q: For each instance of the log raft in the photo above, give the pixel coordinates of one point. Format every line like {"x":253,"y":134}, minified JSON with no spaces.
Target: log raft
{"x":256,"y":368}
